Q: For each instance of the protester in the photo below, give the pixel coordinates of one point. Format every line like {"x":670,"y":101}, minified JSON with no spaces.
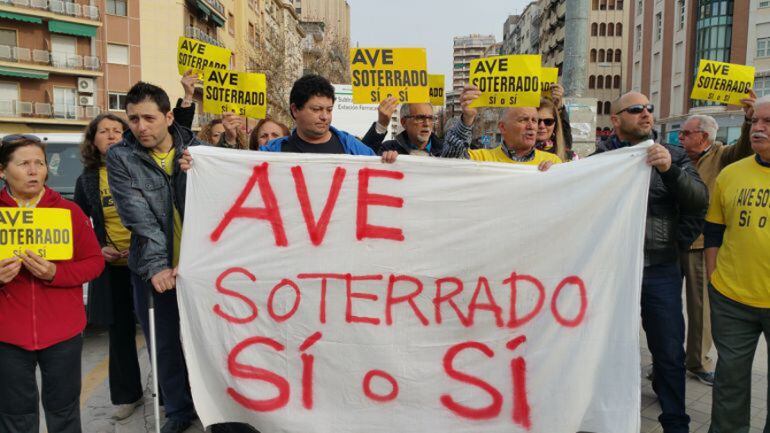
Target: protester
{"x":184,"y":112}
{"x":550,"y":132}
{"x":110,"y":299}
{"x":379,"y":129}
{"x":677,"y":204}
{"x":225,"y":132}
{"x":41,"y":303}
{"x":698,"y":138}
{"x":737,"y":242}
{"x":150,"y":196}
{"x":266,"y":130}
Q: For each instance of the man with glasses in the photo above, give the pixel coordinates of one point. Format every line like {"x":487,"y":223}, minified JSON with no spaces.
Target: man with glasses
{"x":677,"y":204}
{"x":698,"y":138}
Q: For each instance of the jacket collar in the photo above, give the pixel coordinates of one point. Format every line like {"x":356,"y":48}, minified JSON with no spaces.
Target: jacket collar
{"x":50,"y":198}
{"x":433,"y":143}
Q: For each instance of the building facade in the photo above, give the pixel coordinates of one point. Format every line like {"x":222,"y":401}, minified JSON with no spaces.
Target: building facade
{"x":465,"y":49}
{"x":63,"y":62}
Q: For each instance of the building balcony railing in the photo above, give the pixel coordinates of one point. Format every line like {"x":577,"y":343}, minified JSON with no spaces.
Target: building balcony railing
{"x":217,"y":6}
{"x":60,"y":7}
{"x":196,"y":33}
{"x":42,"y":110}
{"x":47,"y":58}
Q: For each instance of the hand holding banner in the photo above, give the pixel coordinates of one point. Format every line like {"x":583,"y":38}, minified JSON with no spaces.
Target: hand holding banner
{"x":378,"y":73}
{"x":243,"y":93}
{"x":45,"y":231}
{"x":722,"y":82}
{"x":507,"y":81}
{"x":198,"y":56}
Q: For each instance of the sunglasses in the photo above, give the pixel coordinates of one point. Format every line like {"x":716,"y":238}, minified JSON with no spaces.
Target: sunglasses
{"x":547,"y":122}
{"x":638,"y":108}
{"x":8,"y":139}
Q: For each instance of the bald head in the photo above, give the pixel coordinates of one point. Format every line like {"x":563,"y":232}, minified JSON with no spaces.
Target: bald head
{"x":631,"y":116}
{"x":627,"y":99}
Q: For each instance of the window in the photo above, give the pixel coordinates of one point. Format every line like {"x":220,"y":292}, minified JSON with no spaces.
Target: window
{"x":638,"y":38}
{"x":639,"y":6}
{"x":616,"y":82}
{"x":9,"y":94}
{"x":607,"y":106}
{"x":682,"y":13}
{"x":231,"y":23}
{"x":764,"y":4}
{"x":591,"y":82}
{"x":619,"y":29}
{"x":611,"y":5}
{"x":617,"y":55}
{"x":679,"y":58}
{"x":594,"y":29}
{"x":117,"y":101}
{"x":608,"y":81}
{"x":600,"y":82}
{"x":116,"y":7}
{"x":593,"y":55}
{"x":601,"y":56}
{"x":595,"y":4}
{"x":763,"y":47}
{"x":602,"y":29}
{"x":610,"y":55}
{"x":8,"y":37}
{"x":599,"y":107}
{"x":117,"y":54}
{"x":619,"y":5}
{"x":63,"y":48}
{"x":64,"y":102}
{"x":761,"y":86}
{"x":603,"y":5}
{"x":252,"y":34}
{"x":658,"y":25}
{"x":610,"y":29}
{"x":656,"y":67}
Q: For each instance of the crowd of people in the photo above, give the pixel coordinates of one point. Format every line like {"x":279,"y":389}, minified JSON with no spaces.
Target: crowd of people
{"x":133,"y":191}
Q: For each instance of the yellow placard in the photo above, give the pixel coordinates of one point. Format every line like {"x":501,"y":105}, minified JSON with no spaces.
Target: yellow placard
{"x":507,"y":81}
{"x":727,"y":83}
{"x":46,"y":232}
{"x":378,"y":73}
{"x":548,"y":77}
{"x":436,"y":83}
{"x":243,"y":93}
{"x":199,"y":56}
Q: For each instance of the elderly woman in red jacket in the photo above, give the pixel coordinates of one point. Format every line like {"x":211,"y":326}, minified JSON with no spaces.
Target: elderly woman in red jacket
{"x":41,"y":303}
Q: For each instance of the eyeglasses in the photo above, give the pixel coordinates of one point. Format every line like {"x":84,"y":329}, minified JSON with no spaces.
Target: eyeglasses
{"x":8,"y":139}
{"x":421,"y":118}
{"x":638,"y":108}
{"x":686,"y":133}
{"x":547,"y":122}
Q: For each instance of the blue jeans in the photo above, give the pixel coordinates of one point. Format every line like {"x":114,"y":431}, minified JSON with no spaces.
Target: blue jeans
{"x":172,"y":370}
{"x":663,"y":322}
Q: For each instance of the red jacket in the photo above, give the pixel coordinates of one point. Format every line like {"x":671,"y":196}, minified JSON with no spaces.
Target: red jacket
{"x":35,"y":314}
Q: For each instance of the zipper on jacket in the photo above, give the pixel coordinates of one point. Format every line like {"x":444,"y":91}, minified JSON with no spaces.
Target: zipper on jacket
{"x":34,"y":313}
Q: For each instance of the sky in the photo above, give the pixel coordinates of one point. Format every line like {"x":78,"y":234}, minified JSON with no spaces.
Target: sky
{"x":427,"y":23}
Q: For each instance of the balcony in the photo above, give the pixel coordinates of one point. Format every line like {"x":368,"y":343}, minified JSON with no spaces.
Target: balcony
{"x":196,"y":33}
{"x":41,"y":112}
{"x":212,"y":9}
{"x":54,"y":10}
{"x":50,"y":62}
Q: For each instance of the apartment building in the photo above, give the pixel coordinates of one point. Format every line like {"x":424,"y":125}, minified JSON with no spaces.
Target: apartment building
{"x":465,"y":49}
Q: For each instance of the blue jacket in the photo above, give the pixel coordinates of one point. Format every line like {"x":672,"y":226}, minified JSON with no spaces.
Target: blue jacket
{"x":145,"y":197}
{"x":350,"y":144}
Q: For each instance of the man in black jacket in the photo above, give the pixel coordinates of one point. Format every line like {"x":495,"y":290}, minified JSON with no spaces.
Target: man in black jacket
{"x":676,"y":206}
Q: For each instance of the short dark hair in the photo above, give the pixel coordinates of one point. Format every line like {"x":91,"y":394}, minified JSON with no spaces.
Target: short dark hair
{"x":142,"y":91}
{"x":89,"y":154}
{"x":11,"y":143}
{"x":308,"y":86}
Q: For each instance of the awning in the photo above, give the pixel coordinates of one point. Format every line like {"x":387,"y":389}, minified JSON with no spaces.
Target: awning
{"x":23,"y":73}
{"x":20,"y":17}
{"x":71,"y":28}
{"x":217,"y":20}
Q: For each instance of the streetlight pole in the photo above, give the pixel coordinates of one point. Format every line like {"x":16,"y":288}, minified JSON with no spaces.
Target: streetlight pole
{"x":575,"y":72}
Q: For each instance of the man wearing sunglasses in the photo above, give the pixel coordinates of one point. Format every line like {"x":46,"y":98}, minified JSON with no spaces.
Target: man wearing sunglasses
{"x":677,"y":204}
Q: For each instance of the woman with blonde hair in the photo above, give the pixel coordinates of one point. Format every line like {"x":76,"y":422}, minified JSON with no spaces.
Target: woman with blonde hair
{"x":225,"y":132}
{"x":553,"y":130}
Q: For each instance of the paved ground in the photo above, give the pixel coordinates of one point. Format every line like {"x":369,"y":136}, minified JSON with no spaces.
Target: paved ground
{"x":97,"y":409}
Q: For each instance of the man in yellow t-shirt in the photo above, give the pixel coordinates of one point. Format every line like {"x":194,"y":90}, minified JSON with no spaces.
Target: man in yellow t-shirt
{"x":737,"y":242}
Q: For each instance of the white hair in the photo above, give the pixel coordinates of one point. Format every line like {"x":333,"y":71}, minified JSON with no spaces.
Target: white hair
{"x":764,"y":100}
{"x":706,"y":124}
{"x":406,"y":110}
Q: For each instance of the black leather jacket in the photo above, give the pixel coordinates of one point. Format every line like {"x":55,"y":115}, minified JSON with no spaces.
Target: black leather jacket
{"x":676,"y":206}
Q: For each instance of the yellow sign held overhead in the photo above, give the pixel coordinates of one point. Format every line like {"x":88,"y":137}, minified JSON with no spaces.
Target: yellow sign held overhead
{"x":436,"y":83}
{"x":722,"y":82}
{"x":47,"y":232}
{"x":199,"y":56}
{"x":378,"y":73}
{"x":243,"y":93}
{"x":507,"y":81}
{"x":548,"y":77}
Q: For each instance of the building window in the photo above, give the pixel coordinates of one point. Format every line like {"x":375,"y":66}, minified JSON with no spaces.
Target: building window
{"x":713,"y":34}
{"x":616,"y":82}
{"x":64,"y":105}
{"x":117,"y":101}
{"x":638,"y":38}
{"x":610,"y":29}
{"x":602,"y":29}
{"x":252,"y":34}
{"x":607,"y":106}
{"x":610,"y":55}
{"x":592,"y":82}
{"x":764,"y":4}
{"x":117,"y":7}
{"x":658,"y":25}
{"x":619,"y":5}
{"x":231,"y":23}
{"x":599,"y":107}
{"x":9,"y":95}
{"x":7,"y":40}
{"x":117,"y":54}
{"x":600,"y":82}
{"x":682,"y":13}
{"x":619,"y":29}
{"x":617,"y":56}
{"x":593,"y":55}
{"x":602,"y":5}
{"x":763,"y":47}
{"x":601,"y":58}
{"x":594,"y":29}
{"x":761,"y":86}
{"x":611,"y":5}
{"x":639,"y":6}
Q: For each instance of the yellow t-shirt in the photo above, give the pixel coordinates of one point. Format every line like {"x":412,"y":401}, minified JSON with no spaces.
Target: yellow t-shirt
{"x":166,"y":162}
{"x":117,"y":235}
{"x":741,"y":201}
{"x":498,"y":155}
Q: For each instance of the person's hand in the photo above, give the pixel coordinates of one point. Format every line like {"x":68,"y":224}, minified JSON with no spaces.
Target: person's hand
{"x":9,"y":268}
{"x":111,"y":254}
{"x":232,"y":124}
{"x":189,"y":80}
{"x":544,"y":165}
{"x":164,"y":280}
{"x":385,"y":110}
{"x":470,"y":93}
{"x":659,"y":157}
{"x":748,"y":104}
{"x":389,"y":156}
{"x":557,"y":95}
{"x":185,"y":161}
{"x":38,"y":266}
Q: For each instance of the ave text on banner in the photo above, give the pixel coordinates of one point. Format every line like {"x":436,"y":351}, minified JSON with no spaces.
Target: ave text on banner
{"x":722,"y":82}
{"x":199,"y":56}
{"x":243,"y":93}
{"x":378,"y":73}
{"x":46,"y":232}
{"x":507,"y":81}
{"x":337,"y":294}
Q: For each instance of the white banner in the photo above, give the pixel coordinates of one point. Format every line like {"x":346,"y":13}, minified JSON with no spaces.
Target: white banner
{"x":325,"y":293}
